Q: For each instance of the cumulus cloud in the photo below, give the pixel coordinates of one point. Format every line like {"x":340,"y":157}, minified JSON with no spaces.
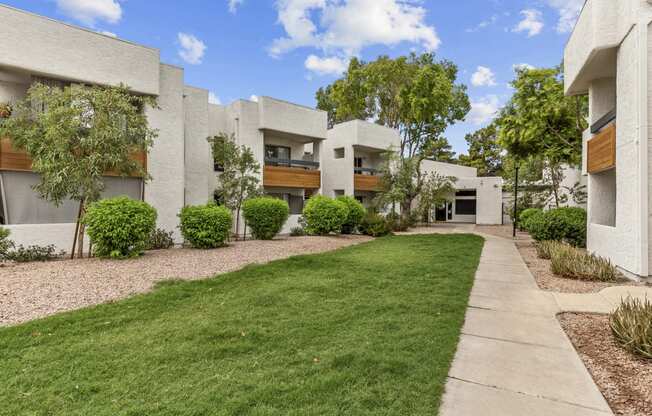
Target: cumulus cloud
{"x":326,"y":66}
{"x":234,"y":4}
{"x":483,"y":77}
{"x":520,"y":67}
{"x":484,"y":110}
{"x":344,"y":27}
{"x":213,"y":98}
{"x":191,"y":49}
{"x":253,"y":98}
{"x":532,"y":22}
{"x":569,"y":11}
{"x":91,"y":11}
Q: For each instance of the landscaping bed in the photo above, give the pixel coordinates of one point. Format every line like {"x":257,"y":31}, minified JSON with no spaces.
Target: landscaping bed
{"x":624,"y":379}
{"x":34,"y":290}
{"x":365,"y":330}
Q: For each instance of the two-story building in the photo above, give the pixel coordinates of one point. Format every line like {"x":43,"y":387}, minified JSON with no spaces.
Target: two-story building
{"x":608,"y":57}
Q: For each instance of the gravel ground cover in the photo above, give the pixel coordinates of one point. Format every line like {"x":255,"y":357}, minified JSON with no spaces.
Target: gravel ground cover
{"x":34,"y":290}
{"x":624,"y":379}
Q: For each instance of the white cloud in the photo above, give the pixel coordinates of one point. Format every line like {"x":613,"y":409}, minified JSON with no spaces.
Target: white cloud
{"x":532,"y":22}
{"x":569,"y":11}
{"x":484,"y":110}
{"x":483,"y":77}
{"x":326,"y":66}
{"x":253,"y":98}
{"x":345,"y":27}
{"x":107,"y":33}
{"x":213,"y":98}
{"x":484,"y":24}
{"x":91,"y":11}
{"x":191,"y":49}
{"x":234,"y":4}
{"x":519,"y":67}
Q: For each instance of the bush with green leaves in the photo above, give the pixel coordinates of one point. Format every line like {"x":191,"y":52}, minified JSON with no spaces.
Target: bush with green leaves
{"x":526,"y":214}
{"x":160,"y":240}
{"x":206,"y":226}
{"x":561,"y":224}
{"x":265,"y":216}
{"x":544,"y":248}
{"x":119,"y":227}
{"x":22,"y":254}
{"x":631,"y":325}
{"x":375,"y":225}
{"x":573,"y":263}
{"x":356,"y":213}
{"x":324,"y":215}
{"x":297,"y":231}
{"x":5,"y":242}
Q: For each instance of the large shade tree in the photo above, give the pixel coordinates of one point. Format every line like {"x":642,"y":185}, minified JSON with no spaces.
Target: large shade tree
{"x":416,"y":94}
{"x":485,"y":154}
{"x":75,"y":135}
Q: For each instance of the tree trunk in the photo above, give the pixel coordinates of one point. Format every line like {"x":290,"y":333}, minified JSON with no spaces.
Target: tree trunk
{"x":237,"y":222}
{"x":80,"y":235}
{"x":555,"y":185}
{"x":76,"y":235}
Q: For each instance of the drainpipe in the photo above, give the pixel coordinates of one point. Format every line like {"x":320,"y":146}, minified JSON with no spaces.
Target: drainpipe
{"x":515,"y":201}
{"x":643,"y":103}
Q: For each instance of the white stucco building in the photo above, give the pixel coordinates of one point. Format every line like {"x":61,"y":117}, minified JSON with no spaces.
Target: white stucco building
{"x":608,"y":57}
{"x":298,"y":154}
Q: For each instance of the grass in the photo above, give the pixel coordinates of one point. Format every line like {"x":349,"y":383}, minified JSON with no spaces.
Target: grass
{"x":366,"y":330}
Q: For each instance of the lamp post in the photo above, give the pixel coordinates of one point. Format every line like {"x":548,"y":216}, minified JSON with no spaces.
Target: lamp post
{"x":515,"y":200}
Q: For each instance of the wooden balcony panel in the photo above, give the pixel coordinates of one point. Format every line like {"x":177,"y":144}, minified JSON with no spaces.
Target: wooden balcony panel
{"x":601,"y":150}
{"x":284,"y":177}
{"x":19,"y":161}
{"x":366,"y":182}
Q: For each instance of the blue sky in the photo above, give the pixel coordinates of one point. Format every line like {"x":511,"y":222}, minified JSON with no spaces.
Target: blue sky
{"x":289,"y":48}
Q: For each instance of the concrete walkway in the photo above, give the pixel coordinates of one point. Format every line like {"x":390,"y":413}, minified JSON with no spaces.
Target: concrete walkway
{"x":513,"y":357}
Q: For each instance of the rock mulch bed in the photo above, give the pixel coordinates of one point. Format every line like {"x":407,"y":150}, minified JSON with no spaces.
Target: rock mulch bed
{"x":34,"y":290}
{"x":546,"y":280}
{"x":624,"y":379}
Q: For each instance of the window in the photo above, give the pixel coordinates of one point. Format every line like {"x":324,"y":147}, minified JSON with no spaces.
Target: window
{"x":465,"y":207}
{"x":278,"y":154}
{"x":339,"y":153}
{"x":466,"y":192}
{"x":357,"y":162}
{"x":295,"y":202}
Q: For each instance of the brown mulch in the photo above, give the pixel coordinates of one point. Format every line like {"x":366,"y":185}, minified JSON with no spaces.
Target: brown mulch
{"x":623,"y":378}
{"x":546,"y":280}
{"x":34,"y":290}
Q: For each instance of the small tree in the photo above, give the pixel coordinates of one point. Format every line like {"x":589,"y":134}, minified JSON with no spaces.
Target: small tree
{"x":437,"y":189}
{"x":75,"y":135}
{"x":240,"y":178}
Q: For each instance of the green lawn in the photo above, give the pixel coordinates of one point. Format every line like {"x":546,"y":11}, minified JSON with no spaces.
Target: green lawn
{"x":366,"y":330}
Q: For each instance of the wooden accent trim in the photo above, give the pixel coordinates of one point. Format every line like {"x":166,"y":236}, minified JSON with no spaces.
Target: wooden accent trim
{"x":601,"y":150}
{"x":284,"y":177}
{"x":366,"y":182}
{"x":19,"y":161}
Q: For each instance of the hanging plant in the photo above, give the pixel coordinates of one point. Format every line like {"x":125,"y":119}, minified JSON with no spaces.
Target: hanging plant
{"x":5,"y":110}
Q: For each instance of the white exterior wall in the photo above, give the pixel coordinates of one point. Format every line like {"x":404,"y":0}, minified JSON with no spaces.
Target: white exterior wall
{"x":338,"y":172}
{"x":51,"y":48}
{"x":277,"y":115}
{"x":198,"y":157}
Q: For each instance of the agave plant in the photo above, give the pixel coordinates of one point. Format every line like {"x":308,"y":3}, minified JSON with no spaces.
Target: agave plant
{"x":631,"y":325}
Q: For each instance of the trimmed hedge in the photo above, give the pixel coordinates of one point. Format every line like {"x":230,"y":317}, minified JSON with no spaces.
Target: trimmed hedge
{"x":265,"y":216}
{"x":526,"y":214}
{"x":324,"y":215}
{"x":119,"y":227}
{"x":561,"y":224}
{"x":375,"y":225}
{"x":206,"y":226}
{"x":356,"y":213}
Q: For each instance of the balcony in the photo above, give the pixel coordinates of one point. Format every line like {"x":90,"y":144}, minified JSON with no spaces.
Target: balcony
{"x":283,"y":173}
{"x":601,"y":150}
{"x":366,"y":179}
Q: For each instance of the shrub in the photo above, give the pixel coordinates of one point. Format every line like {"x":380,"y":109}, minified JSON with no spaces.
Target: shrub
{"x":119,"y":227}
{"x":297,"y":231}
{"x":374,"y":225}
{"x":573,"y":263}
{"x":526,"y":214}
{"x":265,"y":216}
{"x":5,"y":242}
{"x":206,"y":226}
{"x":560,"y":224}
{"x":23,"y":254}
{"x":397,"y":223}
{"x":544,"y":249}
{"x":324,"y":215}
{"x":631,"y":325}
{"x":160,"y":240}
{"x":356,"y":213}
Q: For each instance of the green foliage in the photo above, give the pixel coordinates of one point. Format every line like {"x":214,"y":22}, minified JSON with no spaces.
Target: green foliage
{"x":436,"y":190}
{"x":160,"y":240}
{"x":545,"y":248}
{"x":566,"y":224}
{"x":119,"y":227}
{"x":631,"y":325}
{"x":573,"y":263}
{"x":5,"y":242}
{"x":33,"y":253}
{"x":526,"y":214}
{"x":356,"y":213}
{"x":484,"y":152}
{"x":324,"y":215}
{"x":206,"y":226}
{"x":297,"y":231}
{"x":375,"y":225}
{"x":265,"y":216}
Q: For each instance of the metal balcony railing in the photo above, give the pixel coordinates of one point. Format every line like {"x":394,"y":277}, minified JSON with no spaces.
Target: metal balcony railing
{"x":365,"y":171}
{"x":302,"y":164}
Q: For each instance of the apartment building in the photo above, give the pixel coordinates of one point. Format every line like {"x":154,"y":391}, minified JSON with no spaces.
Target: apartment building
{"x":608,"y":57}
